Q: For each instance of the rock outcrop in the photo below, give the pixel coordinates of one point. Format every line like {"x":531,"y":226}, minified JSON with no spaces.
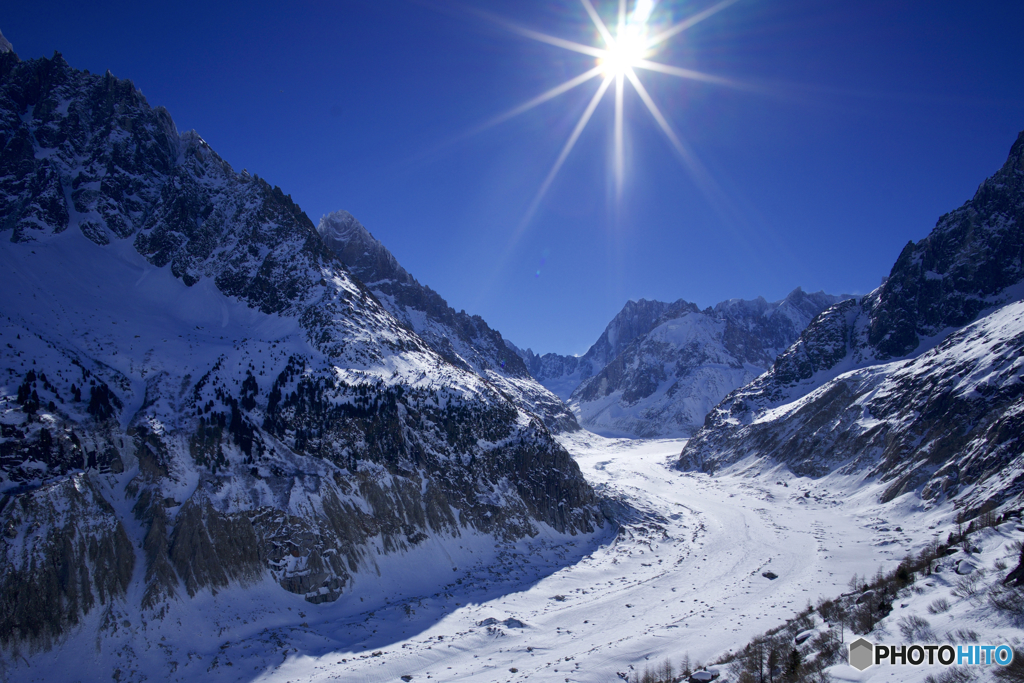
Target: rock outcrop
{"x":562,"y":374}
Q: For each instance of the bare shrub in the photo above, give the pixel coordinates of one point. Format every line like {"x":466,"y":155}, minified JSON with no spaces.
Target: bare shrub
{"x":1014,"y":671}
{"x":863,"y":618}
{"x":957,"y":674}
{"x":915,"y":629}
{"x":962,"y":635}
{"x":828,"y":647}
{"x":987,"y":519}
{"x":1009,"y":600}
{"x":667,"y":672}
{"x":938,"y":606}
{"x":966,"y":586}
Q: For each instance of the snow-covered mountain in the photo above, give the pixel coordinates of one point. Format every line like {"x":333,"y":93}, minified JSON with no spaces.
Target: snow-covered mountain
{"x":665,"y":381}
{"x":462,"y":339}
{"x":659,"y":367}
{"x":195,"y":393}
{"x":562,"y":374}
{"x":919,"y":382}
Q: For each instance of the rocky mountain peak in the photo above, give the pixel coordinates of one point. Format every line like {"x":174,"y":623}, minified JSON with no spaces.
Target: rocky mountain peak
{"x":635,"y":319}
{"x":945,"y":280}
{"x":5,"y":45}
{"x":663,"y":381}
{"x":359,"y":250}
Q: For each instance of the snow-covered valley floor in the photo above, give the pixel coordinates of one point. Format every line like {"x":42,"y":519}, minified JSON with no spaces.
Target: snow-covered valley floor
{"x":681,"y":575}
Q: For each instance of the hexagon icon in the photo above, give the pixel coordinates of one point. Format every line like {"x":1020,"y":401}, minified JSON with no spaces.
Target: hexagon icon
{"x":862,"y":654}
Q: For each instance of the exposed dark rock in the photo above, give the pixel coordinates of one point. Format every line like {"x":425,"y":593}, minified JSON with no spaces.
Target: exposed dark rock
{"x":211,"y":548}
{"x":64,"y":551}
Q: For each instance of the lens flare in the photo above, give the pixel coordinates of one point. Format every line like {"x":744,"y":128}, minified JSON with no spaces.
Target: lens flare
{"x":626,"y":49}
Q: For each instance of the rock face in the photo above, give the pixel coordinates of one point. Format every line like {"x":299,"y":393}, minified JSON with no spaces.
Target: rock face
{"x":659,"y":367}
{"x":65,"y":553}
{"x":899,"y":384}
{"x":196,"y":393}
{"x":463,"y":340}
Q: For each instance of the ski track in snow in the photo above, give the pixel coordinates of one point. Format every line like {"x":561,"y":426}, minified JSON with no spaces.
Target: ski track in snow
{"x":682,"y":573}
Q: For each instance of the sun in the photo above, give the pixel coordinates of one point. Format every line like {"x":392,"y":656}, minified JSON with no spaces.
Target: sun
{"x":625,"y":51}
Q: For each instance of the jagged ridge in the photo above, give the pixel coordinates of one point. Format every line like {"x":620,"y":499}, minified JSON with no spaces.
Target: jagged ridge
{"x":463,"y":340}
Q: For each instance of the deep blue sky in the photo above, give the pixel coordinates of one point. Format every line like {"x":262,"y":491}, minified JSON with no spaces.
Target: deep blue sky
{"x":869,"y":119}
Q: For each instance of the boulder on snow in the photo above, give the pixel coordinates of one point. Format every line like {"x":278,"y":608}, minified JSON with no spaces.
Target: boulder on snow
{"x":770,"y":575}
{"x":964,"y":567}
{"x":511,"y":622}
{"x":865,"y":596}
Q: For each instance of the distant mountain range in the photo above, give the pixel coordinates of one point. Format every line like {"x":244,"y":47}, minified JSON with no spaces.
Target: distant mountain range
{"x":920,"y":383}
{"x":658,"y":368}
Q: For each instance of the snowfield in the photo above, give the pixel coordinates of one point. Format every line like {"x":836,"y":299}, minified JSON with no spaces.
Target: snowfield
{"x":682,"y":574}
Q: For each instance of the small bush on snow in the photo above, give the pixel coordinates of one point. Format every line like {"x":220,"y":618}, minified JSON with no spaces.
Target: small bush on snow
{"x":915,"y":629}
{"x":967,"y":586}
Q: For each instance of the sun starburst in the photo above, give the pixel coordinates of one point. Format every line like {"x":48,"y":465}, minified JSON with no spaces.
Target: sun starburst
{"x":627,"y":47}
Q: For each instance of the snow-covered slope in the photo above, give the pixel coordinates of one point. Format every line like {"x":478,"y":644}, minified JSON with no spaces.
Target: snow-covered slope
{"x":462,"y":339}
{"x":659,"y":367}
{"x":195,"y":394}
{"x":896,"y":383}
{"x":945,"y":423}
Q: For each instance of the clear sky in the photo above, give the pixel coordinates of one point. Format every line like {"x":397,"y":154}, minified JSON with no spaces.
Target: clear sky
{"x":848,"y":127}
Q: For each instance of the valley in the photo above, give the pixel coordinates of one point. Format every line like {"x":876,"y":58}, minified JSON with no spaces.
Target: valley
{"x":681,"y":575}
